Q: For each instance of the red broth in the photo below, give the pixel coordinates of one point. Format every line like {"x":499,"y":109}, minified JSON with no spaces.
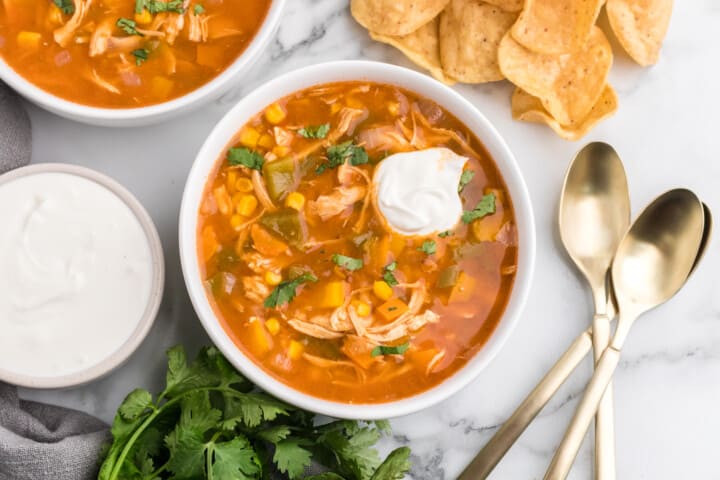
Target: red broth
{"x":121,"y":54}
{"x":267,"y":248}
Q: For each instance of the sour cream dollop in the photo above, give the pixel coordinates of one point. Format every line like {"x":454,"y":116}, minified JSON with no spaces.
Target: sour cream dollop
{"x":75,"y":274}
{"x":417,"y":192}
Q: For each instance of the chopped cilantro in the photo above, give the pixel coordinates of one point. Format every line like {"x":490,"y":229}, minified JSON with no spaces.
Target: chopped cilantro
{"x":211,"y":423}
{"x":390,"y":350}
{"x":486,"y":206}
{"x":66,"y":6}
{"x":128,"y":26}
{"x":198,"y":9}
{"x":465,"y":178}
{"x":157,"y":6}
{"x":245,"y":157}
{"x":428,"y":247}
{"x":446,"y":233}
{"x":315,"y":131}
{"x":141,"y":55}
{"x":389,"y":276}
{"x":286,"y":291}
{"x":342,"y":153}
{"x":348,"y":263}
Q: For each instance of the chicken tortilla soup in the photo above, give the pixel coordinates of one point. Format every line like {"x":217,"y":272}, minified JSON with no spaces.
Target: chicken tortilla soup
{"x":357,"y":242}
{"x":125,"y":53}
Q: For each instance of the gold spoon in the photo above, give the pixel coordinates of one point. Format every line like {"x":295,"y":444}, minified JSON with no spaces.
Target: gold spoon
{"x":491,"y":454}
{"x":652,"y":263}
{"x":593,"y":217}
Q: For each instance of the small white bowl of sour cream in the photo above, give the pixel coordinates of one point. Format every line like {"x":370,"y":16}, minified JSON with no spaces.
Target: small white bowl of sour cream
{"x":81,"y":275}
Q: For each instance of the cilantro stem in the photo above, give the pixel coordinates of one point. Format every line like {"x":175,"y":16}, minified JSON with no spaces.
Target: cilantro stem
{"x":209,"y":455}
{"x":157,"y":410}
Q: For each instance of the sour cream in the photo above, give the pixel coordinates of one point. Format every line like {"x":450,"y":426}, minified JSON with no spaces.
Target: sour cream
{"x":75,"y":274}
{"x":417,"y":192}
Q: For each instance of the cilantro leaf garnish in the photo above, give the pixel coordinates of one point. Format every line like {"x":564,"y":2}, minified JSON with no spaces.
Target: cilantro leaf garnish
{"x":245,"y":157}
{"x":348,"y":263}
{"x":211,"y":423}
{"x":390,"y":350}
{"x":486,"y":206}
{"x":446,"y":233}
{"x":66,"y":6}
{"x":465,"y":178}
{"x":315,"y":131}
{"x":157,"y":6}
{"x":285,"y":292}
{"x":141,"y":55}
{"x":428,"y":247}
{"x":128,"y":26}
{"x":342,"y":153}
{"x":198,"y":9}
{"x":389,"y":276}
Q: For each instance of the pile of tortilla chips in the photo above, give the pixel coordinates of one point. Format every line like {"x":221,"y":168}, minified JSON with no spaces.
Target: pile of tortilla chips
{"x":551,"y":50}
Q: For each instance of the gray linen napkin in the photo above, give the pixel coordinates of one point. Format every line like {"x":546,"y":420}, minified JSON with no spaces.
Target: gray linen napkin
{"x":15,"y":136}
{"x":39,"y":442}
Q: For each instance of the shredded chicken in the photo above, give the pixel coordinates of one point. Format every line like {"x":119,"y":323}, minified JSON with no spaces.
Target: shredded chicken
{"x":327,"y":363}
{"x":314,"y":330}
{"x":384,"y":138}
{"x":255,"y":289}
{"x":64,"y":34}
{"x":261,"y":191}
{"x":507,"y":234}
{"x":102,"y":41}
{"x":417,"y":300}
{"x":283,"y":136}
{"x":411,"y":324}
{"x":260,"y":264}
{"x":337,"y":202}
{"x":101,"y":82}
{"x":198,"y":29}
{"x":435,"y":360}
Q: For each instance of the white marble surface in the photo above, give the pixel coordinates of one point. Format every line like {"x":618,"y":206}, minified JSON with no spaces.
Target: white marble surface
{"x":667,"y":389}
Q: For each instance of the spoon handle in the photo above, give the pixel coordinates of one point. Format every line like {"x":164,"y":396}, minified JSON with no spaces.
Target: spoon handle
{"x":575,"y":434}
{"x":505,"y":437}
{"x":604,"y":421}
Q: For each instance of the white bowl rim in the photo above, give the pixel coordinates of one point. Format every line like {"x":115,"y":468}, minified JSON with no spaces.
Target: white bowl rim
{"x":218,"y":83}
{"x":117,"y":358}
{"x":360,"y":70}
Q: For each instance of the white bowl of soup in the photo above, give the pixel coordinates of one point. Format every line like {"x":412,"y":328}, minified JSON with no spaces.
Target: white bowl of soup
{"x":357,"y":239}
{"x":130,"y":62}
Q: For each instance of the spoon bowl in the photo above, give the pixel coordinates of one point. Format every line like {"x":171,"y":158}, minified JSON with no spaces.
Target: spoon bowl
{"x":594,"y":210}
{"x":659,"y":251}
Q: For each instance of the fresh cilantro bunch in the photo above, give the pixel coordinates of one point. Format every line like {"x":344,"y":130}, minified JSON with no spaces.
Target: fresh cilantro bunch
{"x":210,"y":422}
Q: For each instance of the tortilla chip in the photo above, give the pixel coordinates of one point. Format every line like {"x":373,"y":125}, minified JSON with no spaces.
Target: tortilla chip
{"x":553,"y":27}
{"x":470,"y":33}
{"x":530,"y":109}
{"x":421,"y":47}
{"x":395,"y":17}
{"x":507,"y":5}
{"x":568,"y":85}
{"x":640,"y":26}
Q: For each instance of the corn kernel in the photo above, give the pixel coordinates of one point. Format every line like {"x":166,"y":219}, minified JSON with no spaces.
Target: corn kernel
{"x":55,"y":15}
{"x":273,"y":325}
{"x":362,"y":308}
{"x":236,"y":221}
{"x":29,"y":39}
{"x":272,"y":278}
{"x":230,"y":180}
{"x":394,"y":109}
{"x":382,"y":290}
{"x":244,"y":185}
{"x":249,"y":137}
{"x":295,"y":200}
{"x":266,"y":141}
{"x":247,"y":205}
{"x":280,"y":150}
{"x":144,"y":17}
{"x":295,"y":349}
{"x":353,"y":102}
{"x":275,"y":113}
